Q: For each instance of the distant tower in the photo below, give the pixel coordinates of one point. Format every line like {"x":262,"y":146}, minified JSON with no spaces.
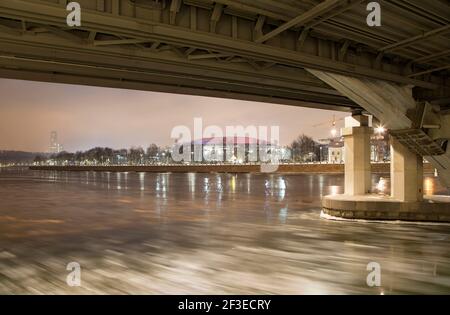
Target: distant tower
{"x":55,"y":147}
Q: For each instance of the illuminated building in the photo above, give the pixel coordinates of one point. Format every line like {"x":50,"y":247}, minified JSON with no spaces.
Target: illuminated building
{"x":55,"y":147}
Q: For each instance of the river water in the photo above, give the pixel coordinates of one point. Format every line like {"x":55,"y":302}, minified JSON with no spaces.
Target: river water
{"x":204,"y":234}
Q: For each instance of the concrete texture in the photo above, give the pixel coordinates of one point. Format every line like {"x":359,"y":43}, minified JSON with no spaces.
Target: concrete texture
{"x":406,"y":173}
{"x":357,"y":159}
{"x":284,"y":168}
{"x":378,"y":207}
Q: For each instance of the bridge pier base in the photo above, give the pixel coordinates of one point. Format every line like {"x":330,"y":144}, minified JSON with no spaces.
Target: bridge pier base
{"x":394,"y":106}
{"x":406,"y":202}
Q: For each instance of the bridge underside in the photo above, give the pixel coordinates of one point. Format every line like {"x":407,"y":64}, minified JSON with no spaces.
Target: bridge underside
{"x":227,"y":48}
{"x":318,"y":54}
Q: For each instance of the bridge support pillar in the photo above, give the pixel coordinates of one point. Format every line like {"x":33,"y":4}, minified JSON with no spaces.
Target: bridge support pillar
{"x":406,"y":173}
{"x":357,"y":155}
{"x":394,"y":106}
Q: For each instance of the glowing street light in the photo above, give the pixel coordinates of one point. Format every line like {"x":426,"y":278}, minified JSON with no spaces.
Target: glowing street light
{"x":380,"y":130}
{"x":333,"y":132}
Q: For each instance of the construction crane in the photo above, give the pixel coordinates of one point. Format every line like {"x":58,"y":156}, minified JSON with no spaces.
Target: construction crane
{"x":332,"y":123}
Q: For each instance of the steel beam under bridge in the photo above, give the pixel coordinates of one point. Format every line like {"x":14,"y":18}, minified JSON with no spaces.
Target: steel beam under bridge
{"x":228,"y":49}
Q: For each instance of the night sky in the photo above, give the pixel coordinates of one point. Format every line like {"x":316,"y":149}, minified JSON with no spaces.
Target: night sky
{"x":85,"y":117}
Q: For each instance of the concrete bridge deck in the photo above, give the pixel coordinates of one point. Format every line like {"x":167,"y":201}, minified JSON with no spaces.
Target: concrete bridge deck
{"x":230,"y":48}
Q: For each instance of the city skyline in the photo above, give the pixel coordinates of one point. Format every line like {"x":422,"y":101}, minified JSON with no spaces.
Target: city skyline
{"x":86,"y":117}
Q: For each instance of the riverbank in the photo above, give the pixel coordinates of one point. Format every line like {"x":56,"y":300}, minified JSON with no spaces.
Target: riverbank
{"x":283,"y":168}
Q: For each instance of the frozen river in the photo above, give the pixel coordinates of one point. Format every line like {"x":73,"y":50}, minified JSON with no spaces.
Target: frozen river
{"x":204,"y":234}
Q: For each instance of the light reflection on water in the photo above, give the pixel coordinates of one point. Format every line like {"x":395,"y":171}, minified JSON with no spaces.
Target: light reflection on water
{"x":205,"y":233}
{"x":431,"y":186}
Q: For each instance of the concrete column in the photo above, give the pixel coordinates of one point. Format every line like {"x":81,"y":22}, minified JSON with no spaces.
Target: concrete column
{"x":406,"y":173}
{"x":357,"y":155}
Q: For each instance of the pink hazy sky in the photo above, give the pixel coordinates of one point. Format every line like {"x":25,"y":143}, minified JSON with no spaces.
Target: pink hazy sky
{"x":85,"y":117}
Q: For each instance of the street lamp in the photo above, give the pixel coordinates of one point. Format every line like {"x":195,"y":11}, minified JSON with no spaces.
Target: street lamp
{"x":333,"y":132}
{"x":380,"y":129}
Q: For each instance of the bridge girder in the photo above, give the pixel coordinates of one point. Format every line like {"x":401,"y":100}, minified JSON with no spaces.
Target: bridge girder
{"x":198,"y":47}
